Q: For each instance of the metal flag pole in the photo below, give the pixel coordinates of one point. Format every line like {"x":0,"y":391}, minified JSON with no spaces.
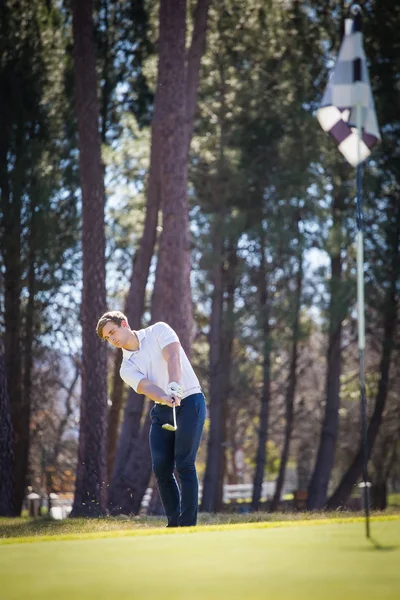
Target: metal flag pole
{"x":361,"y":318}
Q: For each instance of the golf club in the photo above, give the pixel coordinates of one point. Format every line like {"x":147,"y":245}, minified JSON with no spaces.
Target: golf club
{"x":171,"y":427}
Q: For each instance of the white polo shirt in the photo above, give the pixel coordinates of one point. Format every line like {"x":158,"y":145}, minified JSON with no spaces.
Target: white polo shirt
{"x":148,"y":362}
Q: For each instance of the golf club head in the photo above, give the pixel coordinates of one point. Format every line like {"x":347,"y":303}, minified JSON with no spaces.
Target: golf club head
{"x":171,"y":427}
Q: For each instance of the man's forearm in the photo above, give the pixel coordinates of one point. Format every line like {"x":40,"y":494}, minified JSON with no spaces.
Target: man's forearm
{"x":174,"y":368}
{"x":152,"y":391}
{"x":172,"y":356}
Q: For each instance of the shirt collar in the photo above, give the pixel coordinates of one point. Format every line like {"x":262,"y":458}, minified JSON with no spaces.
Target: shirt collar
{"x":128,"y":353}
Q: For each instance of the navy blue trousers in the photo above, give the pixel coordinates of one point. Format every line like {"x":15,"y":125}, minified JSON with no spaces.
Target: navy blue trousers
{"x":172,"y":450}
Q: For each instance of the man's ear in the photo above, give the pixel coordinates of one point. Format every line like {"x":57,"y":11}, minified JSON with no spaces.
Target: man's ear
{"x":124,"y":323}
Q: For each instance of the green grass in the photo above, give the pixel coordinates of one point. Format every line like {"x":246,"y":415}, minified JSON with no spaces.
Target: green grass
{"x":26,"y":528}
{"x":394,"y":500}
{"x":317,"y":558}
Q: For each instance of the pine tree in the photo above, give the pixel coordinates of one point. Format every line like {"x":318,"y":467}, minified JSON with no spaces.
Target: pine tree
{"x":90,"y":493}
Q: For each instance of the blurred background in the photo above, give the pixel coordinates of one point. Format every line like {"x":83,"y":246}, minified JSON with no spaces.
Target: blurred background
{"x":166,"y":161}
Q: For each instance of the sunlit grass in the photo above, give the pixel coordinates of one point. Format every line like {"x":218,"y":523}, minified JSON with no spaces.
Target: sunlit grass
{"x":28,"y":529}
{"x":319,"y":558}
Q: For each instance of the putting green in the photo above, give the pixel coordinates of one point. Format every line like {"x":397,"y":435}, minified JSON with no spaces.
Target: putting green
{"x":317,"y":562}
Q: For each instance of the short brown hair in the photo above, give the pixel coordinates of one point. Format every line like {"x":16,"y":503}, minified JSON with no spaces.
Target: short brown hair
{"x":115,"y":316}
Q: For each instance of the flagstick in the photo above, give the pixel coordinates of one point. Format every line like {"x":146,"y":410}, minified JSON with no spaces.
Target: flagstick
{"x":361,"y":318}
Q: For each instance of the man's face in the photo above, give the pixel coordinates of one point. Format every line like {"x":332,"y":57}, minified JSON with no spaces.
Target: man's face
{"x":116,"y":335}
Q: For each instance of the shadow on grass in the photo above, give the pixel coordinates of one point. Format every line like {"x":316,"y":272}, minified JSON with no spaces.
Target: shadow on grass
{"x":31,"y":527}
{"x":43,"y":526}
{"x":377,"y":546}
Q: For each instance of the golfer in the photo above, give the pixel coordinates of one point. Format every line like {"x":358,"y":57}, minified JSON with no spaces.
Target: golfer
{"x":155,"y":364}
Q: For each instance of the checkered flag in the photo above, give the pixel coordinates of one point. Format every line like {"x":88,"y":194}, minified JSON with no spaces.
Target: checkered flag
{"x":349,"y":87}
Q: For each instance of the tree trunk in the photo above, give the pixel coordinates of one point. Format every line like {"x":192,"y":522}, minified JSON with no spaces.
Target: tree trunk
{"x":29,"y":330}
{"x":215,"y":465}
{"x":136,"y":296}
{"x":194,"y":56}
{"x":134,"y":306}
{"x":117,"y":397}
{"x":213,"y":471}
{"x":228,"y":333}
{"x":7,"y":497}
{"x":172,"y":295}
{"x":90,"y":493}
{"x":379,"y":496}
{"x":261,"y":458}
{"x":107,"y":87}
{"x":120,"y":494}
{"x":155,"y":507}
{"x":11,"y":209}
{"x":133,"y":467}
{"x":349,"y":479}
{"x":220,"y":340}
{"x":291,"y":390}
{"x":317,"y":491}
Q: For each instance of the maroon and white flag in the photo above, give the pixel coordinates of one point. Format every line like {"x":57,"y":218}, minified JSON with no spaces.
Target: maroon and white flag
{"x":348,"y":88}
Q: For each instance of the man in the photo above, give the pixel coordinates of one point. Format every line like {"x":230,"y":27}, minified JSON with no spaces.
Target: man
{"x":155,"y":364}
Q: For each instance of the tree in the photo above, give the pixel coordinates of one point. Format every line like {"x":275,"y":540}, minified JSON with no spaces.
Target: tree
{"x":7,"y":500}
{"x":38,"y":212}
{"x":123,"y":45}
{"x":292,"y":378}
{"x":126,"y":459}
{"x":54,"y":418}
{"x":265,"y":319}
{"x":255,"y":58}
{"x":390,"y":317}
{"x":173,"y":258}
{"x":338,"y":308}
{"x":21,"y":114}
{"x":91,"y":477}
{"x":221,"y":337}
{"x":381,"y":232}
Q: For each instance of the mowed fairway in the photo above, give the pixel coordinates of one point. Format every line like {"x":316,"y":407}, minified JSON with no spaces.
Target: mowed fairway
{"x":253,"y":561}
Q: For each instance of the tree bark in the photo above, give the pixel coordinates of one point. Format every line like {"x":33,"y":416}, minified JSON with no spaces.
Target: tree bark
{"x":171,"y":300}
{"x":11,"y":206}
{"x":317,"y":491}
{"x":90,"y":493}
{"x":7,"y":492}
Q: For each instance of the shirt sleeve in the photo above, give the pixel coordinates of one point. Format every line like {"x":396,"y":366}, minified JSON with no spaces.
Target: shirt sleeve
{"x":130,"y":375}
{"x":165,"y":334}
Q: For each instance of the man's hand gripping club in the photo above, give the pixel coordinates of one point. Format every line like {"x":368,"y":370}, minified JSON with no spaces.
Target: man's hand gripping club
{"x":175,"y":392}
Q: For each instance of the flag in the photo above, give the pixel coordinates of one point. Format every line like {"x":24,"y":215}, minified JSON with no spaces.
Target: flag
{"x":349,"y":87}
